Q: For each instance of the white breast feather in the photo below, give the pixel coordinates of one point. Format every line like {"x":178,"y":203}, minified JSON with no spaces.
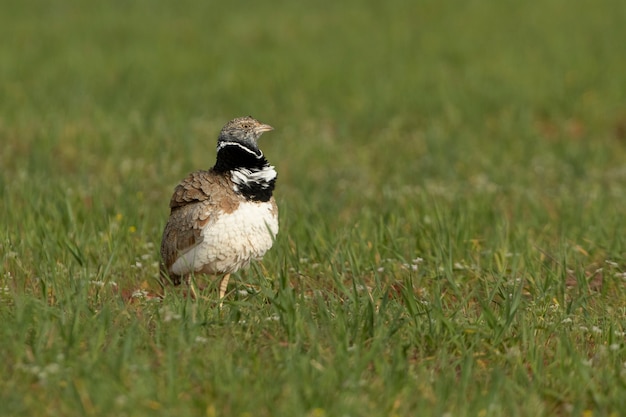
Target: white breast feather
{"x":231,"y":241}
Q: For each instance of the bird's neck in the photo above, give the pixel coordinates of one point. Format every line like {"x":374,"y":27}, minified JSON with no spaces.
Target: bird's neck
{"x":251,"y":174}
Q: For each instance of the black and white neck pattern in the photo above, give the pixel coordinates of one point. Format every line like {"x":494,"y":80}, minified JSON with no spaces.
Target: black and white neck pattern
{"x":252,"y":175}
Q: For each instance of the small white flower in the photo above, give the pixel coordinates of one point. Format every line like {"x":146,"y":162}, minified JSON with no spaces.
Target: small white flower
{"x":121,"y":400}
{"x":139,"y":294}
{"x":169,"y":315}
{"x":596,"y":329}
{"x":514,"y":352}
{"x":567,"y":320}
{"x":52,"y":368}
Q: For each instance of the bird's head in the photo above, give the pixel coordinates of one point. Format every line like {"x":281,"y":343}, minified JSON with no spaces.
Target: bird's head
{"x":245,"y":131}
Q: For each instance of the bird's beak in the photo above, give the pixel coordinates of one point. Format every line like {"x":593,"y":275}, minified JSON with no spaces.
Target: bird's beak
{"x":263,"y":128}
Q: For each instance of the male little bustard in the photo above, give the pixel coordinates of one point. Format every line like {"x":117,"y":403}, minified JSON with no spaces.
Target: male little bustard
{"x":222,"y":218}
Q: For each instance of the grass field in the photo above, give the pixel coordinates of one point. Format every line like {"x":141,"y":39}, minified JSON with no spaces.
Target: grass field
{"x":452,"y":190}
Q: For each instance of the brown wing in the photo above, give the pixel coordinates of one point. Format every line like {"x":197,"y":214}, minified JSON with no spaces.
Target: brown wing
{"x":191,"y":208}
{"x":197,"y":187}
{"x":200,"y":197}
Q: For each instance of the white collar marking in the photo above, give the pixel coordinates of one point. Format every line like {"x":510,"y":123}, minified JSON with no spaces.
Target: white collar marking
{"x":222,"y":145}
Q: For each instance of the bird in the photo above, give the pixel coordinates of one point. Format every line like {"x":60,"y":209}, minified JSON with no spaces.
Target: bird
{"x":224,"y":217}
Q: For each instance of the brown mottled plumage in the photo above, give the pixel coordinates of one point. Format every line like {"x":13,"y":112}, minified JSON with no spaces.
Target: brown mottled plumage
{"x":222,"y":218}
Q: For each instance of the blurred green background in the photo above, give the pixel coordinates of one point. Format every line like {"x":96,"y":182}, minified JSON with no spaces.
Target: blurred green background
{"x":480,"y":136}
{"x":373,"y":104}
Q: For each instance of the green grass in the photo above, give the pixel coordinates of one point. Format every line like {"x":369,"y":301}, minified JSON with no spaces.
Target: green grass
{"x":451,"y":191}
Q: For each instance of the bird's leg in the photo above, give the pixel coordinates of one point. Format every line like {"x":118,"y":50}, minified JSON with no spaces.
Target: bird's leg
{"x":192,"y":287}
{"x":223,"y":286}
